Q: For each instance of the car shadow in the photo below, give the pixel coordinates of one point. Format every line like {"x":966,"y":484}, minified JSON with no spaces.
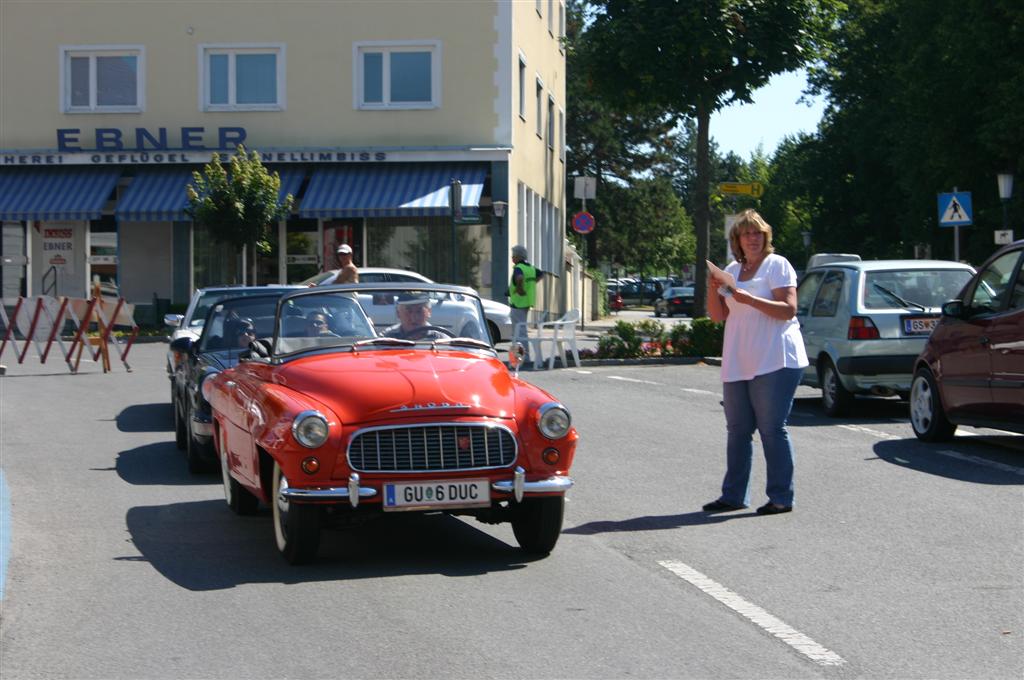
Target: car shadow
{"x":146,"y":418}
{"x":807,"y":411}
{"x":160,"y":463}
{"x":203,"y":546}
{"x":971,"y":461}
{"x":656,"y":522}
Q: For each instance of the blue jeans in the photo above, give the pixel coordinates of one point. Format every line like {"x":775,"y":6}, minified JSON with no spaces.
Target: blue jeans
{"x":761,"y":404}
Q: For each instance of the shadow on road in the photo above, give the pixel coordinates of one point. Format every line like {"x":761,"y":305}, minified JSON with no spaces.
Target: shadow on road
{"x":159,"y":464}
{"x":204,"y":546}
{"x":656,"y":522}
{"x":807,"y":411}
{"x":146,"y":418}
{"x":975,"y":459}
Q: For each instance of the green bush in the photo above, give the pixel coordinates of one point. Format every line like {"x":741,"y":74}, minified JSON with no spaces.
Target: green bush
{"x":706,"y":337}
{"x":703,"y":338}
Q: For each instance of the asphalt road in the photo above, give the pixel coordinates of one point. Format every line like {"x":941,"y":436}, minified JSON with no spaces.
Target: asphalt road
{"x":901,"y":560}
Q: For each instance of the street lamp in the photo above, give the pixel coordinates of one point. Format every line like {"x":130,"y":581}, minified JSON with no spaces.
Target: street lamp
{"x":1005,"y":180}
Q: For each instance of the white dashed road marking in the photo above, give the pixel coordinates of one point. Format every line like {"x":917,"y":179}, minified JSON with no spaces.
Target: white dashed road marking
{"x":705,"y":392}
{"x":792,"y":637}
{"x":868,"y":430}
{"x":634,"y":380}
{"x":982,"y":461}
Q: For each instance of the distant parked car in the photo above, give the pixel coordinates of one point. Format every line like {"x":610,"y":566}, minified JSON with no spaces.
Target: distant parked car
{"x":640,"y":292}
{"x":821,"y":259}
{"x":676,"y":300}
{"x":864,"y":323}
{"x":499,"y":315}
{"x":971,"y":371}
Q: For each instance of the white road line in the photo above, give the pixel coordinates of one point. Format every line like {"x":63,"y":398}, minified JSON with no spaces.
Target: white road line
{"x":868,"y":430}
{"x":584,"y":372}
{"x":696,"y":391}
{"x":982,"y":461}
{"x":634,"y":380}
{"x":792,"y":637}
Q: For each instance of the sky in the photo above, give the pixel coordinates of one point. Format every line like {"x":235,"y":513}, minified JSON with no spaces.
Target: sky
{"x":774,"y":114}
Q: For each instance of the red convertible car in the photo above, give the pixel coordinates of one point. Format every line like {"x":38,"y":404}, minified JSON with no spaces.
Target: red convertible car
{"x":330,"y":419}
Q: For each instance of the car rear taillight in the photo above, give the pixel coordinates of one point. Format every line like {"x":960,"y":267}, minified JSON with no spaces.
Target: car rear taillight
{"x":861,"y":328}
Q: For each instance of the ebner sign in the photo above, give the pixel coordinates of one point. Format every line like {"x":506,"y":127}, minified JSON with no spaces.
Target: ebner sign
{"x":143,"y":146}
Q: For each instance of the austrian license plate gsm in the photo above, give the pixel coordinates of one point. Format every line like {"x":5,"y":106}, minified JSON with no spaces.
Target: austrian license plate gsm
{"x":452,"y":493}
{"x":919,"y":325}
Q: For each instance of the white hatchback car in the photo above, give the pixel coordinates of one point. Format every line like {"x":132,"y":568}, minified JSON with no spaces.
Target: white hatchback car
{"x":499,"y":316}
{"x":864,"y":323}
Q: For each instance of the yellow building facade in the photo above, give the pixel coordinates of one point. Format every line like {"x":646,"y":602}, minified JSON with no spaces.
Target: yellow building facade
{"x":367,"y":110}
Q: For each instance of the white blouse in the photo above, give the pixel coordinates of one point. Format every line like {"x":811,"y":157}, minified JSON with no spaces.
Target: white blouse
{"x":755,"y":343}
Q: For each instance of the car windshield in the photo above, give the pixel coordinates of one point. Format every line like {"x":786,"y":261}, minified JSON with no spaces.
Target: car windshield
{"x":208,"y":299}
{"x":913,"y":288}
{"x":233,"y":323}
{"x":385,"y":316}
{"x":678,"y":292}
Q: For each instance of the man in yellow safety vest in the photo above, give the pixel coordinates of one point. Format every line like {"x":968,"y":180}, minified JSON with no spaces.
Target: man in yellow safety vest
{"x":522,"y":291}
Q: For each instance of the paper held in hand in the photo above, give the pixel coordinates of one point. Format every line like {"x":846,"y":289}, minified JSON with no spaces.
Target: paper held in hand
{"x":723,"y":277}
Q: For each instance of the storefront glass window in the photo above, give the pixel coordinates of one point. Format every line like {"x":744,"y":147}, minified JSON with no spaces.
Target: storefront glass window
{"x":103,"y":254}
{"x":214,"y":263}
{"x":423,"y":244}
{"x":301,"y":256}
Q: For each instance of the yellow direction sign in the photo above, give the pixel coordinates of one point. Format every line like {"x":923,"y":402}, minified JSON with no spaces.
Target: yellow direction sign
{"x":755,"y":189}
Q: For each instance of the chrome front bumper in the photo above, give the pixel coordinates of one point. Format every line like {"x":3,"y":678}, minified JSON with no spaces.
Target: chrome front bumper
{"x":517,"y":486}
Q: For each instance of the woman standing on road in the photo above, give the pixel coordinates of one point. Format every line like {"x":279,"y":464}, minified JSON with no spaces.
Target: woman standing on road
{"x":763,"y":358}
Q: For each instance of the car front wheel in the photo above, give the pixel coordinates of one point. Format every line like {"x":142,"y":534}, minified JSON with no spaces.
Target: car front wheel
{"x":538,"y":523}
{"x":835,"y":398}
{"x":927,"y":416}
{"x":296,"y":525}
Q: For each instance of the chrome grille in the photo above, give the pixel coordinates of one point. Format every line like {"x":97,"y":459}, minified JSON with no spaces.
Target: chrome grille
{"x":430,"y":448}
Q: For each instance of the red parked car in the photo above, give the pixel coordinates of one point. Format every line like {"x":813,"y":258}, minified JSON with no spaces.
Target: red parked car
{"x":971,"y":371}
{"x":329,"y":418}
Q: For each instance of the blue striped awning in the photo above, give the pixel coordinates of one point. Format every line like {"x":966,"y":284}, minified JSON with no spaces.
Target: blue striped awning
{"x":68,"y":193}
{"x":391,"y":190}
{"x":156,"y":195}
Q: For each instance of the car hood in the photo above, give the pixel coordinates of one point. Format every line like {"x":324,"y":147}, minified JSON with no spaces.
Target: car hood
{"x":378,"y":385}
{"x":492,"y":307}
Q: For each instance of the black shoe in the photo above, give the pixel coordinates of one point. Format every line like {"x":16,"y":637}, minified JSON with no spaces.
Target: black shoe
{"x":773,"y":509}
{"x":721,"y":506}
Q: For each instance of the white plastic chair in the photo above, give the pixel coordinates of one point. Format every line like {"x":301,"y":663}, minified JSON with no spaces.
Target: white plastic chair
{"x":563,"y":333}
{"x":521,"y":334}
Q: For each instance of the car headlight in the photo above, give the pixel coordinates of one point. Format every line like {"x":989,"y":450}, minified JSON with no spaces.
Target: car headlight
{"x":310,"y":429}
{"x":554,"y":420}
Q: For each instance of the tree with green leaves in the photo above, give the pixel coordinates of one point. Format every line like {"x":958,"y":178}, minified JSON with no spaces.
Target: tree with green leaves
{"x":238,"y":207}
{"x":691,"y":58}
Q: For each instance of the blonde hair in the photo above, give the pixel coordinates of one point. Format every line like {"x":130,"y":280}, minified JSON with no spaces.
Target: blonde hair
{"x":747,"y":219}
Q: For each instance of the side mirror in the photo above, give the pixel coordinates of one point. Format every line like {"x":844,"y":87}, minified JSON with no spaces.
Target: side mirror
{"x":173,"y":320}
{"x":182,"y":345}
{"x":953,"y":308}
{"x":515,"y":357}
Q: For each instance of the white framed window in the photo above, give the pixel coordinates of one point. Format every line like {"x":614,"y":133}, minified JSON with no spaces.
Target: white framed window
{"x":103,"y":78}
{"x":397,"y":75}
{"x":561,"y":134}
{"x":561,"y":26}
{"x":540,"y":108}
{"x":539,"y":5}
{"x":522,"y":87}
{"x":551,"y":122}
{"x":242,"y":77}
{"x":551,"y":17}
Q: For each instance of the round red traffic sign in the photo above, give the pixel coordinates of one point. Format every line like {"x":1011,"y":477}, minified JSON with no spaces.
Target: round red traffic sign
{"x":583,"y":223}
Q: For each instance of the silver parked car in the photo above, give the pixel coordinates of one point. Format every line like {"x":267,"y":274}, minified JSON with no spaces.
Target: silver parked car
{"x":864,"y":323}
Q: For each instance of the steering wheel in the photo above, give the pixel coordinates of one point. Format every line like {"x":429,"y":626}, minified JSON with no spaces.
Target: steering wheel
{"x":424,"y":330}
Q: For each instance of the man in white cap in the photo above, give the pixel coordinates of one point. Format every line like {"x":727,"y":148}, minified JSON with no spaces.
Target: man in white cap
{"x":348,"y":272}
{"x":413,"y":312}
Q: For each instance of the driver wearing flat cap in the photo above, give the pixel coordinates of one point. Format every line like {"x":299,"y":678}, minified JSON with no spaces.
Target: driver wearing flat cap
{"x":413,"y":311}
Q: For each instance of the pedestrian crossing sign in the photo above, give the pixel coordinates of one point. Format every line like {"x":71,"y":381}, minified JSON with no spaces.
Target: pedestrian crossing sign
{"x":955,"y":209}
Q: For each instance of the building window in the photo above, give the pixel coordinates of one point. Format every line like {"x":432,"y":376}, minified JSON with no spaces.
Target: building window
{"x":242,"y":77}
{"x":561,"y":26}
{"x":539,"y":5}
{"x":522,"y":87}
{"x":540,"y":108}
{"x":551,"y":123}
{"x":551,"y":17}
{"x":561,"y":134}
{"x":397,"y":75}
{"x":103,"y":79}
